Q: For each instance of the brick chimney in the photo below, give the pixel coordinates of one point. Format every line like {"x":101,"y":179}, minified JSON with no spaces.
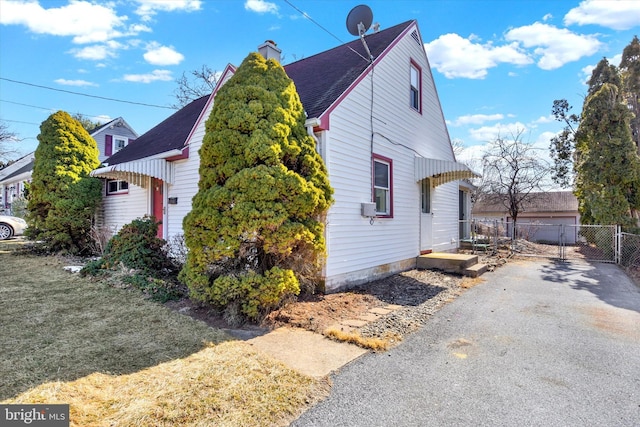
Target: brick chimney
{"x":269,"y":50}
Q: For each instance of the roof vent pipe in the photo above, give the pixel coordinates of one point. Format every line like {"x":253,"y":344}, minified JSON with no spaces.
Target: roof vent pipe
{"x":269,"y":50}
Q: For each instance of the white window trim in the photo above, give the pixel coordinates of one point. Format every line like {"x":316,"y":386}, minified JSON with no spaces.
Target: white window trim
{"x":120,"y":185}
{"x":389,"y":188}
{"x":412,"y":88}
{"x":114,"y":139}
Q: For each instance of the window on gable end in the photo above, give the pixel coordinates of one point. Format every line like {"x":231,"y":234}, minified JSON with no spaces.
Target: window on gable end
{"x":415,"y":85}
{"x":118,"y":143}
{"x":383,"y":186}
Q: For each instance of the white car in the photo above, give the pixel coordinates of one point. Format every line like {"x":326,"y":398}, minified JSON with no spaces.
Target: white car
{"x":11,"y":226}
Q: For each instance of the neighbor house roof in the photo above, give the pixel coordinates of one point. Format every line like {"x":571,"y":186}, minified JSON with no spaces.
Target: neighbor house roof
{"x":320,"y":80}
{"x":168,"y":135}
{"x":552,"y":201}
{"x":23,"y":169}
{"x":112,"y":122}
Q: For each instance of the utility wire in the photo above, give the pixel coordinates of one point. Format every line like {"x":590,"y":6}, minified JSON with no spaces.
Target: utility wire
{"x":18,"y":121}
{"x":45,"y":108}
{"x":306,"y":15}
{"x":87,"y":95}
{"x":26,"y":105}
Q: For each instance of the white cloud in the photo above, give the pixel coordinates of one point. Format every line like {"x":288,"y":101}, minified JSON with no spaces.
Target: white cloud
{"x":543,"y":119}
{"x":260,"y":6}
{"x":490,"y":133}
{"x":66,"y":82}
{"x":162,"y":55}
{"x":148,"y":8}
{"x":615,"y":60}
{"x":154,"y":76}
{"x":547,"y":17}
{"x":554,"y":46}
{"x":84,"y":21}
{"x":99,"y":52}
{"x":102,"y":118}
{"x":615,"y":14}
{"x":455,"y":56}
{"x":476,"y":119}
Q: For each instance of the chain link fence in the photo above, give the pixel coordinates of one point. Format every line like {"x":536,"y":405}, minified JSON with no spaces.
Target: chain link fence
{"x":630,"y":250}
{"x":602,"y":243}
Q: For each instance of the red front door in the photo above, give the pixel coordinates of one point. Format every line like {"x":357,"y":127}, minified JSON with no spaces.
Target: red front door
{"x":158,"y":203}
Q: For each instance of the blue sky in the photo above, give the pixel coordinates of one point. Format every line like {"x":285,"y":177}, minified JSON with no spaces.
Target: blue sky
{"x":498,"y":65}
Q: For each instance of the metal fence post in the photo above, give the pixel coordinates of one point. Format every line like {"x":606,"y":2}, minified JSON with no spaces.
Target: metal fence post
{"x":618,"y":249}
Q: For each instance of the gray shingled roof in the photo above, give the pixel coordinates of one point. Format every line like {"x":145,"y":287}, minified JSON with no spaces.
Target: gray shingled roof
{"x":23,"y":169}
{"x":552,"y":201}
{"x":320,"y":80}
{"x":170,"y":134}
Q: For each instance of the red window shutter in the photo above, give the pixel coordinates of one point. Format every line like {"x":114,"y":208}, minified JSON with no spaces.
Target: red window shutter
{"x":108,"y":145}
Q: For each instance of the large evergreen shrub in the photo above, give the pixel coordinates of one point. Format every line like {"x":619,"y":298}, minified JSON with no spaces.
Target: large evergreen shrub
{"x":62,"y":198}
{"x":255,"y":232}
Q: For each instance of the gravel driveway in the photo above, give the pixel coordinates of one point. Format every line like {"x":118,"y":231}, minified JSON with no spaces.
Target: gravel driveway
{"x":539,"y":344}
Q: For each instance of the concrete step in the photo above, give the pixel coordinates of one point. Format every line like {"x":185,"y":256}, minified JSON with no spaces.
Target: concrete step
{"x":447,"y":262}
{"x":475,"y":270}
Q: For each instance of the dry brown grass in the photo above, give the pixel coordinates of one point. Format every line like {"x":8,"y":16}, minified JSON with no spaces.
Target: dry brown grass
{"x":119,"y":359}
{"x":224,"y":385}
{"x":375,"y":344}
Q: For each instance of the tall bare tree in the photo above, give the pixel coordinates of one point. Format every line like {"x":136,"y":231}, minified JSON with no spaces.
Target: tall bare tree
{"x":512,"y":174}
{"x":6,"y":138}
{"x":194,"y":85}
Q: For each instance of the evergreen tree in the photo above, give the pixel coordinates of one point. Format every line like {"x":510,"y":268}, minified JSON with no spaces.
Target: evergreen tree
{"x":630,"y":70}
{"x":607,"y":163}
{"x":62,"y":198}
{"x":602,"y":144}
{"x":255,"y":232}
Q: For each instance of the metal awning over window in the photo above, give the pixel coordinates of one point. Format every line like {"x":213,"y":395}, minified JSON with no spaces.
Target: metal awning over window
{"x":441,"y":171}
{"x":138,"y":172}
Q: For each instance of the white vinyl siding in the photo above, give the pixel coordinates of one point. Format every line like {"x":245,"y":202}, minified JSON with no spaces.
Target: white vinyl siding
{"x":185,"y":185}
{"x":358,"y":250}
{"x":121,"y":209}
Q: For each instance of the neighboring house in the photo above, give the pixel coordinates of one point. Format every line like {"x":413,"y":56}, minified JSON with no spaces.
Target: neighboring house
{"x":541,"y":216}
{"x":381,"y":132}
{"x":13,"y":179}
{"x":110,"y":138}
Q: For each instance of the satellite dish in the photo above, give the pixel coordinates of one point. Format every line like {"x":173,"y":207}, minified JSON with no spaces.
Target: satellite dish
{"x":359,"y":20}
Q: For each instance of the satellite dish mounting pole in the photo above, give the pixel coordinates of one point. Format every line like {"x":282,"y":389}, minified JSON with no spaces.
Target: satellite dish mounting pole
{"x":358,"y":22}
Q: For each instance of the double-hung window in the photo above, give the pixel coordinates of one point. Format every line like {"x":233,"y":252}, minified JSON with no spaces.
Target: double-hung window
{"x":115,"y":186}
{"x":118,"y":144}
{"x":383,"y":186}
{"x":415,"y":92}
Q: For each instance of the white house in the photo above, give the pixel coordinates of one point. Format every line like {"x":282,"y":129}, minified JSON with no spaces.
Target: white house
{"x":381,"y":132}
{"x":110,"y":138}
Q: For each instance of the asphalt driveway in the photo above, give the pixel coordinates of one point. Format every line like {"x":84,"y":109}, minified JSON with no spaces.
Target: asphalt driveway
{"x":539,"y":344}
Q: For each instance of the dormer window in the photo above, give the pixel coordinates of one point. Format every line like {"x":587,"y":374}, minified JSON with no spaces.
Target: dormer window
{"x":415,"y":85}
{"x":118,"y":144}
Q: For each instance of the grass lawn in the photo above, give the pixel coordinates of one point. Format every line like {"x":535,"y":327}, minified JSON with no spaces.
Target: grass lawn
{"x":119,"y":359}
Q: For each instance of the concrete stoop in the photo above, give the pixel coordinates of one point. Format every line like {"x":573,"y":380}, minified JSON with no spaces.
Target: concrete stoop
{"x":466,"y":265}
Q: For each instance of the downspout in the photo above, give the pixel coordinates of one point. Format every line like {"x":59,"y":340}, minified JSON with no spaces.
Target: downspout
{"x":310,"y":124}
